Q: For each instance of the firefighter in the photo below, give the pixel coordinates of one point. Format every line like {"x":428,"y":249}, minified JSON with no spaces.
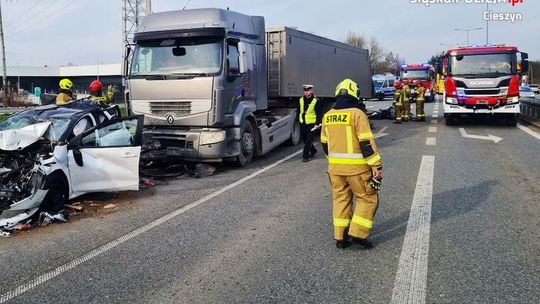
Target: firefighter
{"x":398,"y":101}
{"x":310,"y":116}
{"x":420,"y":100}
{"x":66,"y":95}
{"x":97,"y":95}
{"x":406,"y":99}
{"x":354,"y":167}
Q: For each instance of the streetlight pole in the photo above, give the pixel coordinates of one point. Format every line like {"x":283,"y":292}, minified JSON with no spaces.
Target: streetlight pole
{"x":468,"y":30}
{"x":4,"y":71}
{"x":487,"y":25}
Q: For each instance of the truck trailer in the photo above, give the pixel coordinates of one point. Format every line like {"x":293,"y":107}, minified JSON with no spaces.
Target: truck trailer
{"x":483,"y":80}
{"x":213,"y":85}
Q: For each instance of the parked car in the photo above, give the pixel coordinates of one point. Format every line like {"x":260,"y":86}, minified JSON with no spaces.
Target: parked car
{"x":526,"y":92}
{"x":52,"y":153}
{"x":535,"y":89}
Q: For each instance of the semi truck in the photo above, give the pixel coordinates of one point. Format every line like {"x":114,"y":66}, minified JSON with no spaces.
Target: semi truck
{"x":214,"y":85}
{"x":424,"y":72}
{"x":483,"y":80}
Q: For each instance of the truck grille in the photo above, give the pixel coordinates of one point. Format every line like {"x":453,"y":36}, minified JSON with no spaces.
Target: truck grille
{"x":470,"y":92}
{"x":176,"y":107}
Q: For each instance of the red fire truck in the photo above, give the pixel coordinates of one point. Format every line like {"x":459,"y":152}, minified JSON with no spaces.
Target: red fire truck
{"x":424,"y":72}
{"x":483,"y":80}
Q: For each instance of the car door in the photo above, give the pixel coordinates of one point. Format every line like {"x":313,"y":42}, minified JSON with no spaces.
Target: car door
{"x":106,"y":158}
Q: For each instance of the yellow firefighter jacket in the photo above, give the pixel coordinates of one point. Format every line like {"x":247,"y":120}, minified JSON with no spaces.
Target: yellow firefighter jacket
{"x":351,"y":145}
{"x":421,"y":91}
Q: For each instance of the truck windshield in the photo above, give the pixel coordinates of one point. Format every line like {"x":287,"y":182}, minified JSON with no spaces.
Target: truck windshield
{"x":482,"y":65}
{"x":194,"y":56}
{"x":415,"y":74}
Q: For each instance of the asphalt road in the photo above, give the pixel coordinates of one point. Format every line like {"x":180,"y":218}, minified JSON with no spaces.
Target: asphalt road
{"x":457,"y":223}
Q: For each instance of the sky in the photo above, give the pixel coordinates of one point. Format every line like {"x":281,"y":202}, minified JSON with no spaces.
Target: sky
{"x":81,"y":32}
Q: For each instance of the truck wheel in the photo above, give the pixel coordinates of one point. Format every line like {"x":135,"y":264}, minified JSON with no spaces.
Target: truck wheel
{"x":57,"y":196}
{"x":247,"y":144}
{"x":295,"y":134}
{"x":511,"y":121}
{"x":450,"y":120}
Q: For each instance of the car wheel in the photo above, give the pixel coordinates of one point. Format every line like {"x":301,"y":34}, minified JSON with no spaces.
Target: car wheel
{"x":57,"y":196}
{"x":381,"y":97}
{"x":295,"y":134}
{"x":247,"y":144}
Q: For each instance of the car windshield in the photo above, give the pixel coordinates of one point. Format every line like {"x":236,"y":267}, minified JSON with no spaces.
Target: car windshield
{"x":482,"y":65}
{"x":194,"y":56}
{"x":525,"y":89}
{"x":415,"y":74}
{"x":59,"y":123}
{"x":378,"y":83}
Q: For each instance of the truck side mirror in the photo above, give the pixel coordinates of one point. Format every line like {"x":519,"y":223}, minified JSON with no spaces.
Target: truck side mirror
{"x":125,"y":63}
{"x":524,"y":56}
{"x":242,"y":57}
{"x":524,"y":66}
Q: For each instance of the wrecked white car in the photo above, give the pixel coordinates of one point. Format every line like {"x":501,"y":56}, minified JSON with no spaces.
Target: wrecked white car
{"x":50,"y":154}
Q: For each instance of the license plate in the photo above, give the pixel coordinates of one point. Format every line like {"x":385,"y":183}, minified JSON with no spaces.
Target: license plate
{"x":482,"y":102}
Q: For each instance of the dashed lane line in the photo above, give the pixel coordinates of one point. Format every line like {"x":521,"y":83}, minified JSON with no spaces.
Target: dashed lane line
{"x":112,"y":244}
{"x":431,"y":141}
{"x":411,"y":277}
{"x":434,"y":121}
{"x":432,"y":130}
{"x":529,"y":131}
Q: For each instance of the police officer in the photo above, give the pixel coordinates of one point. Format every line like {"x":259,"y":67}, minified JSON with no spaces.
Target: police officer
{"x":420,"y":100}
{"x":310,"y":116}
{"x":354,"y":166}
{"x":66,"y":95}
{"x":97,"y":95}
{"x":398,"y":101}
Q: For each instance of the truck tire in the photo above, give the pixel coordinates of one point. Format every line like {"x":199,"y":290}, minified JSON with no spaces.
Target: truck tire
{"x":247,"y":144}
{"x":450,"y":120}
{"x":511,"y":121}
{"x":295,"y":134}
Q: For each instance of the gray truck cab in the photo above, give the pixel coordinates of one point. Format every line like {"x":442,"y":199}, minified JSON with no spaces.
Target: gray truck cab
{"x":198,"y":76}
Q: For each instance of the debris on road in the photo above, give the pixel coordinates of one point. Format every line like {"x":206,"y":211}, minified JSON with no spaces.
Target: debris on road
{"x":204,"y":170}
{"x":109,"y":206}
{"x":74,"y":207}
{"x":45,"y":218}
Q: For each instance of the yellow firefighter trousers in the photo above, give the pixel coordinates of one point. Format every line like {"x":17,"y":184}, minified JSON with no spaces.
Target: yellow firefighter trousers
{"x":398,"y":106}
{"x":359,"y":223}
{"x":420,"y":114}
{"x":406,"y":113}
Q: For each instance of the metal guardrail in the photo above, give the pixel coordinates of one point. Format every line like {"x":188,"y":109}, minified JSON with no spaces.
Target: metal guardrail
{"x":531,"y":108}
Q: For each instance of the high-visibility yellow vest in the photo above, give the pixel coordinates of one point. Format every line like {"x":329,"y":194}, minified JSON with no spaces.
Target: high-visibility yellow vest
{"x":351,"y":144}
{"x":311,"y":115}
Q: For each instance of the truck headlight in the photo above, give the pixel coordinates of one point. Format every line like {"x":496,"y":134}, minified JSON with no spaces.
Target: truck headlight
{"x":207,"y":138}
{"x":514,"y":99}
{"x":451,"y":100}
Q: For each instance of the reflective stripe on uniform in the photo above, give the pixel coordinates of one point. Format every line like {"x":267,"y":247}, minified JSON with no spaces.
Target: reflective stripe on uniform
{"x":362,"y":221}
{"x":349,"y":140}
{"x":365,"y":135}
{"x":373,"y":160}
{"x":346,"y":155}
{"x":342,"y":222}
{"x":346,"y":161}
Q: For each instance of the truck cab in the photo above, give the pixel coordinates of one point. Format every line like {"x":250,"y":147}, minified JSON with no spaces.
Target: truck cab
{"x":424,"y":72}
{"x":483,"y":80}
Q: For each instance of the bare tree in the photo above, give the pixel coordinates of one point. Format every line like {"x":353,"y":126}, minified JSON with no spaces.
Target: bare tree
{"x":379,"y":60}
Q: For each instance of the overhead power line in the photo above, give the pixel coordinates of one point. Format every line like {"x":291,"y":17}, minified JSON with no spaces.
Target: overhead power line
{"x":29,"y":13}
{"x":41,"y":20}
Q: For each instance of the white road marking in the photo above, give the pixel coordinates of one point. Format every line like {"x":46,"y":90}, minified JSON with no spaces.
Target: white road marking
{"x":493,"y":138}
{"x":432,"y":129}
{"x":529,"y":131}
{"x":381,"y":133}
{"x":411,"y":277}
{"x":431,"y":141}
{"x":433,"y":121}
{"x":434,"y":116}
{"x":112,"y":244}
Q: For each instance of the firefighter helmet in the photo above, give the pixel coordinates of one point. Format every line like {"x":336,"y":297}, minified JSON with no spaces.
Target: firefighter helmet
{"x":410,"y":81}
{"x":420,"y":83}
{"x":348,"y":87}
{"x":95,"y":86}
{"x":65,"y":84}
{"x":397,"y":84}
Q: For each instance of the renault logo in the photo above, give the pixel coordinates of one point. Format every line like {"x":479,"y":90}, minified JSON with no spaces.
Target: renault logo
{"x":170,"y":118}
